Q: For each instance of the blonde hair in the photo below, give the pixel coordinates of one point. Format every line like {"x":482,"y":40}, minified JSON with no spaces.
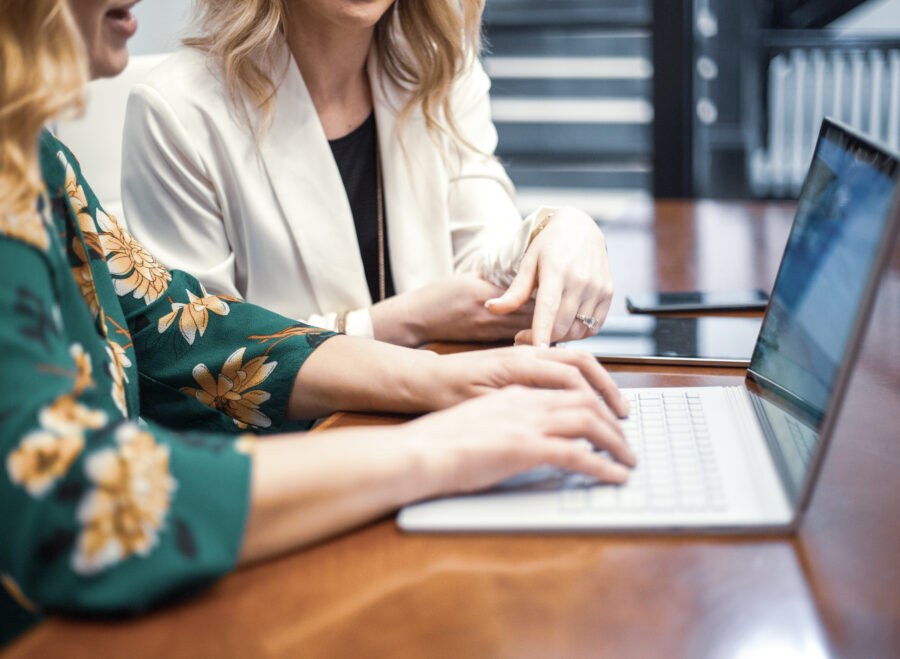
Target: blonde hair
{"x":421,"y":46}
{"x":43,"y":71}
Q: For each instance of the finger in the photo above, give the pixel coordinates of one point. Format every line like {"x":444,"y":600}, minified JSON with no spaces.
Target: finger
{"x":546,"y":305}
{"x":576,"y":330}
{"x":519,"y":291}
{"x":602,"y":431}
{"x":568,"y":455}
{"x":565,"y":324}
{"x":582,"y":410}
{"x":543,"y":374}
{"x":523,"y":338}
{"x":594,"y":373}
{"x":595,"y":405}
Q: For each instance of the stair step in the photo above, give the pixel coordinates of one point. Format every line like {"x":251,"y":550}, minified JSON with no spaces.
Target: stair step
{"x":524,"y":109}
{"x":567,"y":12}
{"x":585,"y":139}
{"x":575,"y":41}
{"x":531,"y":172}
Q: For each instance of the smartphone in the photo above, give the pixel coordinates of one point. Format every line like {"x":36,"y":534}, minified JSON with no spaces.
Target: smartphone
{"x":698,"y":301}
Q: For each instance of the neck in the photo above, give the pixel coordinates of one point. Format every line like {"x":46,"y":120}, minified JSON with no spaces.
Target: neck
{"x":332,"y":61}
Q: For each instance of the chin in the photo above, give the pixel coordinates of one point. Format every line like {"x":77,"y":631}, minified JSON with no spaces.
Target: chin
{"x":109,"y":65}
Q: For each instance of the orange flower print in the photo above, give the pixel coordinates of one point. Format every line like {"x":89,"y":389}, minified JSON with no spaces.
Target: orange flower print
{"x":233,"y":393}
{"x":74,"y":192}
{"x":118,"y":362}
{"x":27,"y":227}
{"x":123,"y":513}
{"x":85,"y":280}
{"x":135,"y":270}
{"x":41,"y":459}
{"x":66,"y":416}
{"x":83,"y":379}
{"x":194,"y":314}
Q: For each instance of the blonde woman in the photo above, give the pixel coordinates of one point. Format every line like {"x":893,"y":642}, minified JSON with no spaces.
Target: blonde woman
{"x":131,"y":396}
{"x":318,"y":157}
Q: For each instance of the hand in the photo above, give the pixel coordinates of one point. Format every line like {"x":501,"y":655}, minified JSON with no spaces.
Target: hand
{"x":451,"y":309}
{"x":567,"y":263}
{"x":488,"y":439}
{"x":464,"y":375}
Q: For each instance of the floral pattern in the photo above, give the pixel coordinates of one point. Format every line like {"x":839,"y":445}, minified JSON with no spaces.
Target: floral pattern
{"x":232,"y":392}
{"x":135,"y":271}
{"x":65,"y":416}
{"x":83,"y":489}
{"x":74,"y":190}
{"x":124,"y":512}
{"x":194,"y":314}
{"x":11,"y":587}
{"x":41,"y":459}
{"x":118,"y":362}
{"x":83,"y":379}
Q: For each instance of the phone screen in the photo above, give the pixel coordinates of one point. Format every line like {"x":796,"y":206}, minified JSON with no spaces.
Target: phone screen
{"x":743,"y":300}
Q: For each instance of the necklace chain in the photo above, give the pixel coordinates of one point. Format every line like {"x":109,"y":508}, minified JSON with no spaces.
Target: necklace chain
{"x":380,"y":214}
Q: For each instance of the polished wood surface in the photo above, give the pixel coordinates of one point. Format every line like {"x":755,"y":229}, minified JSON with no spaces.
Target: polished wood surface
{"x":831,"y":590}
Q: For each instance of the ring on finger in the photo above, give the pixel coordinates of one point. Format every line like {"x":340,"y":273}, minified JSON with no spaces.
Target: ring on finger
{"x":589,"y":321}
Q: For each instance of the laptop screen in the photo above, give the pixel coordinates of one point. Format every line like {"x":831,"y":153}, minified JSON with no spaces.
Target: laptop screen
{"x":841,"y":218}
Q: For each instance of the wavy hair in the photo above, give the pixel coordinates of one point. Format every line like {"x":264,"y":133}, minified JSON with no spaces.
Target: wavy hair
{"x":422,"y":46}
{"x":43,"y":72}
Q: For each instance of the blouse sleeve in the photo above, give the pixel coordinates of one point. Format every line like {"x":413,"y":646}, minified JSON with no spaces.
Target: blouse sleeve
{"x":98,"y":514}
{"x":204,"y":361}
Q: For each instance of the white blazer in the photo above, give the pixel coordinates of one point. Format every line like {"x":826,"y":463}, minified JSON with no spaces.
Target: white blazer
{"x":270,"y":222}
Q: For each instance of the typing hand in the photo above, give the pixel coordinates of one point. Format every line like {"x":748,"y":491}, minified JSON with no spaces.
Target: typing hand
{"x":488,"y":439}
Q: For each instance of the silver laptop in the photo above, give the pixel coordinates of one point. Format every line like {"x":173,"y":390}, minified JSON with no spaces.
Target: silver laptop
{"x":741,"y":458}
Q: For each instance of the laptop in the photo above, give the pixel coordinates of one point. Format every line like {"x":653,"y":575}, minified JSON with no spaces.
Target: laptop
{"x":742,"y":458}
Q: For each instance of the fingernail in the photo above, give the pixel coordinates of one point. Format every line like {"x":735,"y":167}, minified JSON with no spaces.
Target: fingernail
{"x":620,"y":472}
{"x":543,"y":344}
{"x":625,"y":404}
{"x":631,"y":458}
{"x":489,"y":303}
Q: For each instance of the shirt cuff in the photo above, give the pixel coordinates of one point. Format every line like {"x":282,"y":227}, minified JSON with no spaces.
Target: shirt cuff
{"x":359,"y":323}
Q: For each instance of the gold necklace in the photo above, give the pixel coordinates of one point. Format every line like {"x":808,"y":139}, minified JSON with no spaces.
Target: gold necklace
{"x":380,"y":214}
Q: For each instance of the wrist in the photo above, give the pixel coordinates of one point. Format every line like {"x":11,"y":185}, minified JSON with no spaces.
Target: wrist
{"x":396,"y":321}
{"x":427,"y":475}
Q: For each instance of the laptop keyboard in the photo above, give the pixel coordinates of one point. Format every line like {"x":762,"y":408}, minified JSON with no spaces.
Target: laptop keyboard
{"x":676,"y":468}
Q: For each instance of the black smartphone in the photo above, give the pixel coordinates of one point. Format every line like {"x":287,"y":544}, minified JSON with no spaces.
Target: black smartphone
{"x":698,"y":301}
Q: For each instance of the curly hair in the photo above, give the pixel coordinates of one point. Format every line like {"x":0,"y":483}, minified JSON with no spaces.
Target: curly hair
{"x":239,"y":35}
{"x":43,"y":72}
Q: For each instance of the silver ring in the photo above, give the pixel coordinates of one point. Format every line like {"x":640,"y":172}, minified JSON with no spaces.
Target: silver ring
{"x":589,"y":321}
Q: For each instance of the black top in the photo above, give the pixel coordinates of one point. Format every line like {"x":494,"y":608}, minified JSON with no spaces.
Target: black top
{"x":355,"y":155}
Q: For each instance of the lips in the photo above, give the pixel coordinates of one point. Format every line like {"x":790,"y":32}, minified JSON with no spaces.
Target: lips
{"x":122,"y":20}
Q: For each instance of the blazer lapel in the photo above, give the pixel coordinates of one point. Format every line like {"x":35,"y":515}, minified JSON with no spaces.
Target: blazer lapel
{"x":308,"y":185}
{"x":415,"y":190}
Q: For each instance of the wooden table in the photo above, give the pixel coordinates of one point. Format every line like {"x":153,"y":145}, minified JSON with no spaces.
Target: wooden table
{"x":834,"y":589}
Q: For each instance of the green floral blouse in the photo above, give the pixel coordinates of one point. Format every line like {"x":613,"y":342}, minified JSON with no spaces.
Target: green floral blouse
{"x":128,"y":406}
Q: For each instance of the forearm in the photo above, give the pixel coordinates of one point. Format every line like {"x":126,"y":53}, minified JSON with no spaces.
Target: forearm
{"x":349,"y":373}
{"x":305,"y":489}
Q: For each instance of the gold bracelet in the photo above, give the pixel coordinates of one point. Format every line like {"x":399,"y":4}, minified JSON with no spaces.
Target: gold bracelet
{"x":540,"y":227}
{"x":342,"y":321}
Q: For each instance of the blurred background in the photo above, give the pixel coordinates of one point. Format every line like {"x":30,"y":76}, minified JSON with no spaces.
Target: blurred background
{"x":600,"y":103}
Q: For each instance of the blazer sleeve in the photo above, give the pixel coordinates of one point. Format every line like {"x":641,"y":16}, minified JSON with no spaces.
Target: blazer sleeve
{"x":98,"y":514}
{"x":488,"y":234}
{"x":164,"y":176}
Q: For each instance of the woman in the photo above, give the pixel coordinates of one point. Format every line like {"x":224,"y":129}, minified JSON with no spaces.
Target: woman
{"x":115,"y":496}
{"x":316,"y":157}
